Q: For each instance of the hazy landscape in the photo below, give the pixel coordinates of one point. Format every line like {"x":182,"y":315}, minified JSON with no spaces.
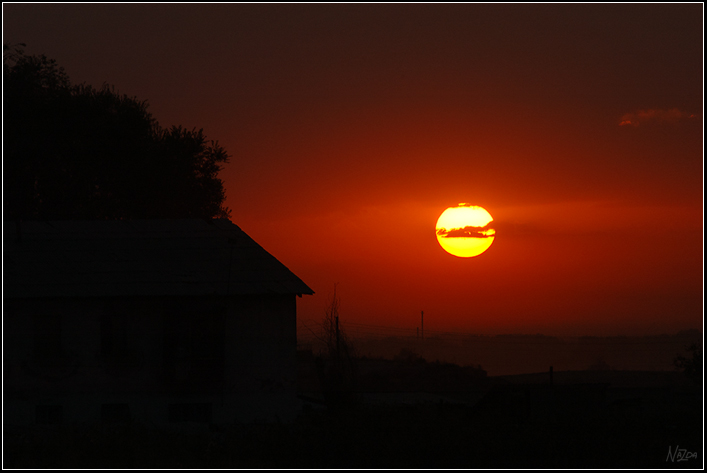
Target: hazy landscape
{"x":517,"y":353}
{"x":408,"y":412}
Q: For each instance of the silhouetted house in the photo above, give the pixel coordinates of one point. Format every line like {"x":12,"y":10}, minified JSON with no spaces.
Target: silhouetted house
{"x":151,"y":320}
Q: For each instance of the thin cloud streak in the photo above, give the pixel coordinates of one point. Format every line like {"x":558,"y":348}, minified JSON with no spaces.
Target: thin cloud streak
{"x":655,"y":115}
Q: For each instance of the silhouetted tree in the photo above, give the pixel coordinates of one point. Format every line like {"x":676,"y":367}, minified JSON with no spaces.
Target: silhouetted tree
{"x":77,"y":152}
{"x":337,"y":364}
{"x":692,"y":364}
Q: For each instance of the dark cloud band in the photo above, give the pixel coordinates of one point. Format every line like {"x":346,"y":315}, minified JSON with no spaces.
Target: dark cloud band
{"x":466,"y":232}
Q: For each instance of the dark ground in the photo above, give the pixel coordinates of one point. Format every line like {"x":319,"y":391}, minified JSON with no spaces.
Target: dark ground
{"x":633,"y":428}
{"x":430,"y":437}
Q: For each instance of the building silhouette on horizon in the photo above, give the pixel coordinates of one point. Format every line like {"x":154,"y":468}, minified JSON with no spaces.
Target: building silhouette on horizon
{"x":154,"y":321}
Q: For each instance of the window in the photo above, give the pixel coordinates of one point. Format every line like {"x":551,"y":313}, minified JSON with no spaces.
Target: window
{"x":49,"y":414}
{"x":46,"y":331}
{"x":114,"y":335}
{"x":194,"y":347}
{"x":190,"y":412}
{"x":119,"y":352}
{"x":115,"y":413}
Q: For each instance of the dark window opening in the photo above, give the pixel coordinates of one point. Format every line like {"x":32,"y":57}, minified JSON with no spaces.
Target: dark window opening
{"x":49,"y":414}
{"x":190,"y":412}
{"x":115,"y":413}
{"x":47,"y":337}
{"x":194,"y":348}
{"x":114,"y":335}
{"x":119,"y":355}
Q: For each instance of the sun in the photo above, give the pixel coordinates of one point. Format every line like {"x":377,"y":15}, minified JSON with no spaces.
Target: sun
{"x":465,"y":230}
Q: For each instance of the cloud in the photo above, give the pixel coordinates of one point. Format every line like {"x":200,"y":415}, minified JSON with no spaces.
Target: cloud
{"x":655,"y":115}
{"x":467,"y":232}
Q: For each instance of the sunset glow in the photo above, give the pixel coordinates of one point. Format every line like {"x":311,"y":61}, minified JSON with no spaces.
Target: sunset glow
{"x":219,"y":218}
{"x":463,"y":230}
{"x":352,"y":128}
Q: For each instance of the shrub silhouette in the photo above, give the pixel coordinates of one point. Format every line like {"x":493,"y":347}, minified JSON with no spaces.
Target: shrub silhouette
{"x":336,"y":365}
{"x":692,"y":364}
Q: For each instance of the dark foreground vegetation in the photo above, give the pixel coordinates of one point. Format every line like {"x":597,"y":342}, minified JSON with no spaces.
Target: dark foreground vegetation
{"x":424,"y":435}
{"x":411,"y":413}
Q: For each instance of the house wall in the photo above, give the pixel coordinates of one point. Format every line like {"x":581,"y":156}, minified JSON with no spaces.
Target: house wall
{"x":83,"y":384}
{"x":265,"y":343}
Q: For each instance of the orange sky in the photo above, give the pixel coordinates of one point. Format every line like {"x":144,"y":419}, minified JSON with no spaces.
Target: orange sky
{"x":351,"y":128}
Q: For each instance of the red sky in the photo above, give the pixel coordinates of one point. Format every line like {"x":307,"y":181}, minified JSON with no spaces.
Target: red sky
{"x":352,"y":127}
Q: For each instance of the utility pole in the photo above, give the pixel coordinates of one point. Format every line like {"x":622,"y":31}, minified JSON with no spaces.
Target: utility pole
{"x":422,"y":324}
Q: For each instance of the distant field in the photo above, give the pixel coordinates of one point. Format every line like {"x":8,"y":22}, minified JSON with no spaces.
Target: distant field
{"x":614,"y":378}
{"x":516,"y":354}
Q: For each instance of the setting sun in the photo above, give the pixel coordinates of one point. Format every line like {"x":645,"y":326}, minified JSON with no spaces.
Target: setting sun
{"x":464,"y":230}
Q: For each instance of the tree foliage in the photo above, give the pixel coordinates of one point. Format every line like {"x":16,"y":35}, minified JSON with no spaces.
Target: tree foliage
{"x":691,"y":365}
{"x":78,"y":152}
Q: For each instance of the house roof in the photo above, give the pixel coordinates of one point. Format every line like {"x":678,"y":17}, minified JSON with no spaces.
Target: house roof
{"x":139,"y":258}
